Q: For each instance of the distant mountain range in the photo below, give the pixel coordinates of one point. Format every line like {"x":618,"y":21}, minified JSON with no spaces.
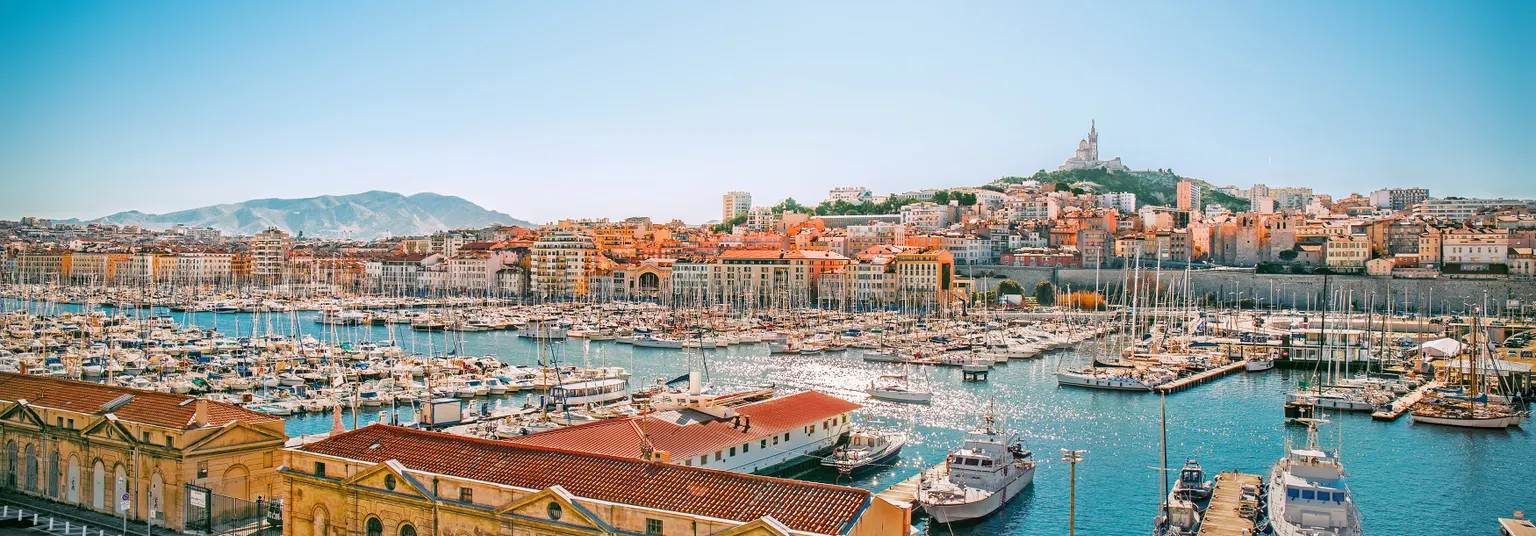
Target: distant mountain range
{"x":363,"y":216}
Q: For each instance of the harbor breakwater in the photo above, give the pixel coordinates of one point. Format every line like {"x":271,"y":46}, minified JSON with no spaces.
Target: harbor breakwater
{"x":1433,"y":296}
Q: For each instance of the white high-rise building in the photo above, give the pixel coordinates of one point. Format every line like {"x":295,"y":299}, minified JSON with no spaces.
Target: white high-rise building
{"x":269,"y":254}
{"x":1125,"y":202}
{"x":735,"y":204}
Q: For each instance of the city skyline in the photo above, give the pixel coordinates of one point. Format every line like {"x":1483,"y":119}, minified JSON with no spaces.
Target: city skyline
{"x":176,"y":106}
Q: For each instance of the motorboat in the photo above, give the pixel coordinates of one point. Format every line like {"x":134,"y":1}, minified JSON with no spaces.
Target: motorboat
{"x":1308,"y":494}
{"x":987,"y":471}
{"x":865,"y":448}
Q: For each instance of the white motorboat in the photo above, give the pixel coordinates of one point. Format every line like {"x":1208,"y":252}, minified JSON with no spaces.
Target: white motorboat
{"x":986,"y":472}
{"x":865,"y":448}
{"x":1259,"y":364}
{"x":1308,"y":495}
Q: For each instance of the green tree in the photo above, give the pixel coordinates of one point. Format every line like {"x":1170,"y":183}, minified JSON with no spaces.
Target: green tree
{"x":965,"y":198}
{"x":1045,"y":293}
{"x":1288,"y":255}
{"x":1063,"y":187}
{"x":725,"y":226}
{"x":1009,"y":287}
{"x":941,"y":197}
{"x":790,"y":205}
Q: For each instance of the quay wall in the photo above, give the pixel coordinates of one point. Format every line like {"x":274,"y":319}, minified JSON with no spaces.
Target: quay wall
{"x":1291,"y":290}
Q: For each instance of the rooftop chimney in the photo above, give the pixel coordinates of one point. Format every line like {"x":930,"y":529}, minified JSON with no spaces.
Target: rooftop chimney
{"x":200,"y":412}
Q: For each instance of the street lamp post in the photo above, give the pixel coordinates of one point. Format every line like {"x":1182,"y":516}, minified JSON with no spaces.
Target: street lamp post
{"x":1072,"y":457}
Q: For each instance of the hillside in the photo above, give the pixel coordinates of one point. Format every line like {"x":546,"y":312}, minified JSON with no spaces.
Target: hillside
{"x":1150,"y":187}
{"x":364,"y":216}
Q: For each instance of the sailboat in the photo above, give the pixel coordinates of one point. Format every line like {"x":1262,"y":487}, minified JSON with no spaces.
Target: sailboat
{"x":1474,"y":410}
{"x":898,"y":388}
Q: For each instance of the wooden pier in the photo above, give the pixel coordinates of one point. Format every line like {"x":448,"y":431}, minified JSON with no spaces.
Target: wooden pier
{"x":905,"y":492}
{"x":1224,"y":516}
{"x":1403,"y":403}
{"x":1191,"y":381}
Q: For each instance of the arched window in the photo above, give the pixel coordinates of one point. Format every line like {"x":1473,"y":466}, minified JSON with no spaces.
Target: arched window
{"x":320,"y":523}
{"x":407,"y":530}
{"x":53,"y":473}
{"x":31,"y":478}
{"x":375,"y":527}
{"x":10,"y":464}
{"x":99,"y":485}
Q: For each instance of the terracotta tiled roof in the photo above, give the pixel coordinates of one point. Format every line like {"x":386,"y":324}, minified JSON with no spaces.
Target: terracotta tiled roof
{"x":621,"y":436}
{"x":149,"y":407}
{"x":805,"y":506}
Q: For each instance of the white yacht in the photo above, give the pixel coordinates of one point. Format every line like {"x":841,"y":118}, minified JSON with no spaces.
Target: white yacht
{"x":986,"y":472}
{"x":1307,"y":492}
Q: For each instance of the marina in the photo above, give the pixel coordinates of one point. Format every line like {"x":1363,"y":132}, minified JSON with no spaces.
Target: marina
{"x":1240,"y":412}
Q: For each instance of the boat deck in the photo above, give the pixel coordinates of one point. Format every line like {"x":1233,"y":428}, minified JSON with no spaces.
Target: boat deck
{"x":905,"y":492}
{"x":1191,"y":381}
{"x":1404,"y":403}
{"x":1221,"y":515}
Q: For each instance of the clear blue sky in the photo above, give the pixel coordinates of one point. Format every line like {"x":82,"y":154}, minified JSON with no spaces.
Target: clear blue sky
{"x":547,"y":110}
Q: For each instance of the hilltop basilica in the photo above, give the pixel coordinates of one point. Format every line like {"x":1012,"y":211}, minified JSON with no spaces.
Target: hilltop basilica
{"x":1087,"y":156}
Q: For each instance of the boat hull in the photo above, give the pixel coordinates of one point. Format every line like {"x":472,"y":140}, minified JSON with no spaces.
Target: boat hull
{"x":1472,"y":422}
{"x":956,"y":512}
{"x":1074,"y":380}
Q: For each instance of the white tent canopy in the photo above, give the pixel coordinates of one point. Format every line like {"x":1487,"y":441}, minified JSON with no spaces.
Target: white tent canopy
{"x":1440,"y":348}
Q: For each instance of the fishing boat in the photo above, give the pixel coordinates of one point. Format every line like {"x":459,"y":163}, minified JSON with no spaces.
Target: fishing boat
{"x":1308,"y":495}
{"x":987,"y":471}
{"x":865,"y":448}
{"x":1259,"y":364}
{"x":1192,"y":484}
{"x":898,"y":388}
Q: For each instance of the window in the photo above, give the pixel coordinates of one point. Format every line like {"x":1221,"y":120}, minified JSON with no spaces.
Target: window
{"x":407,"y":530}
{"x":764,"y":443}
{"x":745,"y":447}
{"x":71,"y":424}
{"x":775,"y":440}
{"x":733,"y":451}
{"x":375,"y":527}
{"x":1308,"y":494}
{"x":704,"y":460}
{"x":145,"y":435}
{"x":389,"y":482}
{"x":653,"y":527}
{"x":466,"y":495}
{"x":786,"y":436}
{"x":319,"y":468}
{"x":824,"y":425}
{"x":554,"y":511}
{"x":170,"y":441}
{"x":717,"y":455}
{"x":61,"y":422}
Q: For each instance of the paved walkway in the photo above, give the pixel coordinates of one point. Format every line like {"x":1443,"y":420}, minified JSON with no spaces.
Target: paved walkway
{"x":80,"y":522}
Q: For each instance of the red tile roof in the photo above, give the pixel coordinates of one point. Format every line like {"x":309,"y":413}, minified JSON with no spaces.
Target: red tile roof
{"x":621,"y":436}
{"x":148,"y":407}
{"x":804,"y":506}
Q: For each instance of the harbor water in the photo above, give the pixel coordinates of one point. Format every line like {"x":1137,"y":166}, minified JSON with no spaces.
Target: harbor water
{"x":1406,"y":478}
